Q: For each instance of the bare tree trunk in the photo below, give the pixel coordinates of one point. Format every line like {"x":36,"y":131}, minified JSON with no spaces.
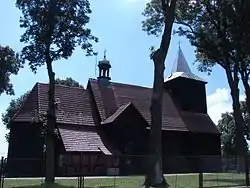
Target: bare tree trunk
{"x":154,"y":176}
{"x":51,"y":124}
{"x":240,"y":140}
{"x":247,"y":92}
{"x":51,"y":114}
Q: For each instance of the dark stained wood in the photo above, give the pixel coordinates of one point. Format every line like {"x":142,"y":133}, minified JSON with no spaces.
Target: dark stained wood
{"x":86,"y":164}
{"x":188,"y":94}
{"x":25,"y":152}
{"x":117,"y":121}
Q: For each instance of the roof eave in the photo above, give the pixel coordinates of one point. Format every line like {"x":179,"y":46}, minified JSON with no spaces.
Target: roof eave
{"x":177,"y":77}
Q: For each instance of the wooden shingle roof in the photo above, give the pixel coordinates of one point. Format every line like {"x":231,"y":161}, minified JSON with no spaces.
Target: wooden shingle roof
{"x":140,"y":97}
{"x":76,"y":105}
{"x":82,"y":139}
{"x":73,"y":105}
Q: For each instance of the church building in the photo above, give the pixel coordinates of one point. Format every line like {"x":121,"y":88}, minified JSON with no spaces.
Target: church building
{"x":106,"y":125}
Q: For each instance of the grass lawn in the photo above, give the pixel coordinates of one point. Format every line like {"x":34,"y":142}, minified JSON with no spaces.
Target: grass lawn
{"x":176,"y":181}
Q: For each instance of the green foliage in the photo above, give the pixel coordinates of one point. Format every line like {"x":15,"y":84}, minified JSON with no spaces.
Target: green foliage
{"x":216,"y":28}
{"x":154,"y":22}
{"x":68,"y":82}
{"x":227,"y":127}
{"x":13,"y":108}
{"x":9,"y":64}
{"x":54,"y":29}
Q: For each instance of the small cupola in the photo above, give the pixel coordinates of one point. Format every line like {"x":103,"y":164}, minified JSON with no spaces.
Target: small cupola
{"x":104,"y":69}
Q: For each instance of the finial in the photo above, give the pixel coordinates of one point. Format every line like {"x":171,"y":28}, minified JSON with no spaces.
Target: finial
{"x":105,"y":51}
{"x":179,"y":44}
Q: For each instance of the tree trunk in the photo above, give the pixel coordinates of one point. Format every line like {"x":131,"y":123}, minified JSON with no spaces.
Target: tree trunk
{"x":240,"y":140}
{"x":154,"y":176}
{"x":51,"y":125}
{"x":247,"y":92}
{"x":51,"y":114}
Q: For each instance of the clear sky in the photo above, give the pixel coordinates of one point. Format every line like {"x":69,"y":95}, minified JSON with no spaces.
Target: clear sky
{"x":117,"y":23}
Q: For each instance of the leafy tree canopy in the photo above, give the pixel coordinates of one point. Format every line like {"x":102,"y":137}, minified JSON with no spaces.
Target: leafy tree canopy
{"x":16,"y":104}
{"x":9,"y":64}
{"x":54,"y":29}
{"x":227,"y":127}
{"x":218,"y":28}
{"x":68,"y":82}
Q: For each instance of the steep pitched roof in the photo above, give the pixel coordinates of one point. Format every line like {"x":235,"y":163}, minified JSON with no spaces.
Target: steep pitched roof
{"x":140,"y":97}
{"x":181,"y":69}
{"x":82,"y":139}
{"x":74,"y":105}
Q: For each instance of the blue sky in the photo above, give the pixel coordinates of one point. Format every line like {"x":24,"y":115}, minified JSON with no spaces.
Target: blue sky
{"x":118,"y":26}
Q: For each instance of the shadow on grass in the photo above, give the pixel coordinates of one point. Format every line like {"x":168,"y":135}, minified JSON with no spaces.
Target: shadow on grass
{"x":54,"y":185}
{"x":230,"y":182}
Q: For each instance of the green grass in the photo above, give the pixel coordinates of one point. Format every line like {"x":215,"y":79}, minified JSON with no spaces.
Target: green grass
{"x":175,"y":181}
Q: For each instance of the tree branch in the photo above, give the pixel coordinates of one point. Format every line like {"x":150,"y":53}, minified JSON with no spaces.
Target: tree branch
{"x":185,"y":24}
{"x":169,"y":19}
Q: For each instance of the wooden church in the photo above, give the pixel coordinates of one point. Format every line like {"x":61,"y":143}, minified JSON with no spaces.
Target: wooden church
{"x":104,"y":128}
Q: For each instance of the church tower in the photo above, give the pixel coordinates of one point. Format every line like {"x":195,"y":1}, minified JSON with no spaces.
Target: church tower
{"x":187,"y":89}
{"x":104,"y":70}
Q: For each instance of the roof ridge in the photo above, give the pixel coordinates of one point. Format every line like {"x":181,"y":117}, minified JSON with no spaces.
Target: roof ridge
{"x":61,"y":85}
{"x":131,"y":85}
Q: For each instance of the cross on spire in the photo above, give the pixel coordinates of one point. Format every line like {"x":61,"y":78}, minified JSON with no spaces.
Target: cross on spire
{"x":179,"y":44}
{"x":105,"y":52}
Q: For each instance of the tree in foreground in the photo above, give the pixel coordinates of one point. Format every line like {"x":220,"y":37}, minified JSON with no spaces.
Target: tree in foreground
{"x":53,"y":30}
{"x":159,"y":21}
{"x":227,"y":127}
{"x":216,"y":29}
{"x":16,"y":104}
{"x":68,"y":82}
{"x":243,"y":45}
{"x":9,"y":64}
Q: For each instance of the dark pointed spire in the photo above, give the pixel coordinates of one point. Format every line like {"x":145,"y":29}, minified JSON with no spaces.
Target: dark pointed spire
{"x":180,"y":64}
{"x":181,"y":69}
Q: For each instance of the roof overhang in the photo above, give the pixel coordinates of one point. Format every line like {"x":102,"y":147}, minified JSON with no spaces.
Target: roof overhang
{"x":82,"y":140}
{"x":178,"y":75}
